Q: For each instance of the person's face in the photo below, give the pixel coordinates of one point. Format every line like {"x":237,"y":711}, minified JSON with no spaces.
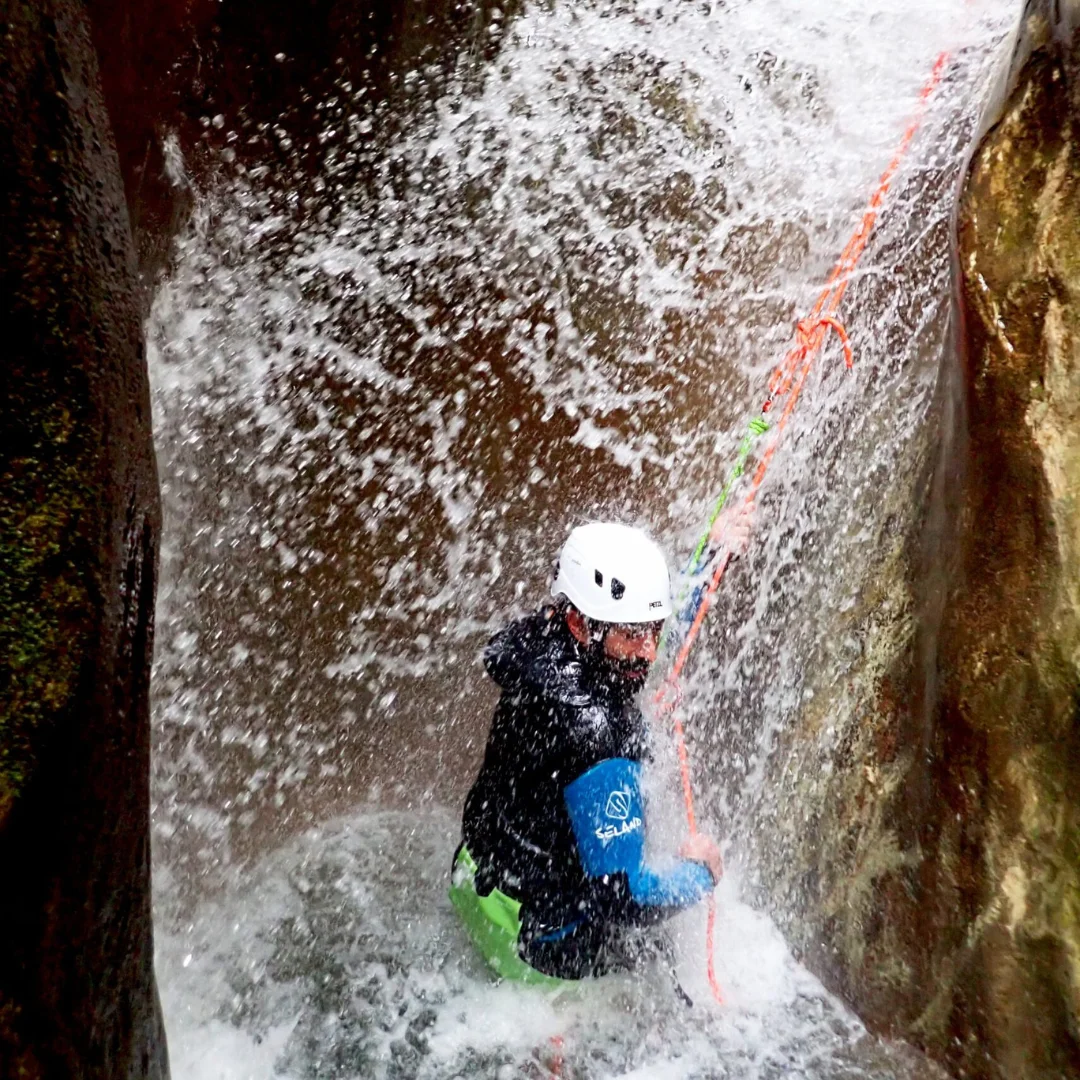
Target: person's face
{"x":633,"y":644}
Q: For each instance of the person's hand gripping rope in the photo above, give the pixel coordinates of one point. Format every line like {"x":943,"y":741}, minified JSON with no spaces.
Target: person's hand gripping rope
{"x":730,"y":533}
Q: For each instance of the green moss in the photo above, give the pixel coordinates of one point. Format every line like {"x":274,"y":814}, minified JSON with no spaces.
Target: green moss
{"x":45,"y":563}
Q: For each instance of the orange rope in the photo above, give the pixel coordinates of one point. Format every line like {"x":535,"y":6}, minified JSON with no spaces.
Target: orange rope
{"x":787,"y":381}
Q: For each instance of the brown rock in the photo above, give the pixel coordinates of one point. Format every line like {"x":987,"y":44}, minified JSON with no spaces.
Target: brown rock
{"x":78,"y":540}
{"x":1009,"y":654}
{"x":188,"y":80}
{"x":935,"y":871}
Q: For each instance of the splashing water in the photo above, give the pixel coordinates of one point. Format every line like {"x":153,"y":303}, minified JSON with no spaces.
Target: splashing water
{"x":557,"y":292}
{"x":341,"y":958}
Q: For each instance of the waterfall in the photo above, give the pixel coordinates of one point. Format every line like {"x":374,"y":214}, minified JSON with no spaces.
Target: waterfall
{"x":548,"y":289}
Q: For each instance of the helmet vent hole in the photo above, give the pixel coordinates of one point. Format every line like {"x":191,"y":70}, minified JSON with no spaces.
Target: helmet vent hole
{"x":599,"y":578}
{"x":617,"y":589}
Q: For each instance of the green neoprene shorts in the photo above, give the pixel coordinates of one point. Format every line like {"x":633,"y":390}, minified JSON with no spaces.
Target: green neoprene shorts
{"x":493,"y":923}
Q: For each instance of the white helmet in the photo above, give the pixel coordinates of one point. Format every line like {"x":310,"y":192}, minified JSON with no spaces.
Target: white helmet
{"x":614,"y":573}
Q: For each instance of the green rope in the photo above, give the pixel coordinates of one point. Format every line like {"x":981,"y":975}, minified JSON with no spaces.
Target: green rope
{"x":757,"y":428}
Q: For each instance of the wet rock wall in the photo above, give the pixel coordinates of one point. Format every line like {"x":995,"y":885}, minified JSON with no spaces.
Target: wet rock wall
{"x":78,"y":537}
{"x":1008,"y":655}
{"x":193,"y":85}
{"x":135,"y":104}
{"x":934,"y":859}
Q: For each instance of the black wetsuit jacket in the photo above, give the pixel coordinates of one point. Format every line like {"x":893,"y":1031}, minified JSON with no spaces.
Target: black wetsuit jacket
{"x":565,"y":716}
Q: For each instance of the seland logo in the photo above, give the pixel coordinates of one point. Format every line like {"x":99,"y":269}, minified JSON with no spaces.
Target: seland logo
{"x":618,"y":807}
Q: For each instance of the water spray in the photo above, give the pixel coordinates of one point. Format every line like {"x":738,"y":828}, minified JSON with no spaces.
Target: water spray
{"x":786,"y":383}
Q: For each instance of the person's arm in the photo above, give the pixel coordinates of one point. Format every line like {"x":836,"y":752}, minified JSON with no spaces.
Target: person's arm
{"x":608,"y":818}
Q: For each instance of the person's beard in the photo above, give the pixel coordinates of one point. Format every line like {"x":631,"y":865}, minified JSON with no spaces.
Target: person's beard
{"x":628,"y":676}
{"x":635,"y":671}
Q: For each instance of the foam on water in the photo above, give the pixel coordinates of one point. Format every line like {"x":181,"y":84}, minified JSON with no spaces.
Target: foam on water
{"x":341,"y":957}
{"x":559,"y":291}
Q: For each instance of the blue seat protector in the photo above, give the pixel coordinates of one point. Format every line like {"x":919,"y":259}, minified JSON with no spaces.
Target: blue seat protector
{"x":608,"y":816}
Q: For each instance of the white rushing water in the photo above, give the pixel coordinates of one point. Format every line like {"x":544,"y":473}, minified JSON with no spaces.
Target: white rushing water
{"x":341,"y":958}
{"x":558,"y":292}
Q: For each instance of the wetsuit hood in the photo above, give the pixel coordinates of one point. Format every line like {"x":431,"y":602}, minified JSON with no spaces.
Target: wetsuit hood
{"x":539,"y":654}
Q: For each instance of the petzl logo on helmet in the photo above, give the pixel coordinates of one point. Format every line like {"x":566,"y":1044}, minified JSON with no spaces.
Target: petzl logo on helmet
{"x":618,"y":805}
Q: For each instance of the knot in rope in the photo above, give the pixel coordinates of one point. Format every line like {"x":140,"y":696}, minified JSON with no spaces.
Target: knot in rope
{"x":804,"y":330}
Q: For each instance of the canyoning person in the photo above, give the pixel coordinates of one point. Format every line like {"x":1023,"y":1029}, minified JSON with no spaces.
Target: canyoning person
{"x":550,"y":877}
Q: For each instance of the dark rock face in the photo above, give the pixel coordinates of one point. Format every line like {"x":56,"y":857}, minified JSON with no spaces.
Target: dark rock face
{"x":78,"y":539}
{"x":251,"y":78}
{"x":241,"y":81}
{"x":935,"y":860}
